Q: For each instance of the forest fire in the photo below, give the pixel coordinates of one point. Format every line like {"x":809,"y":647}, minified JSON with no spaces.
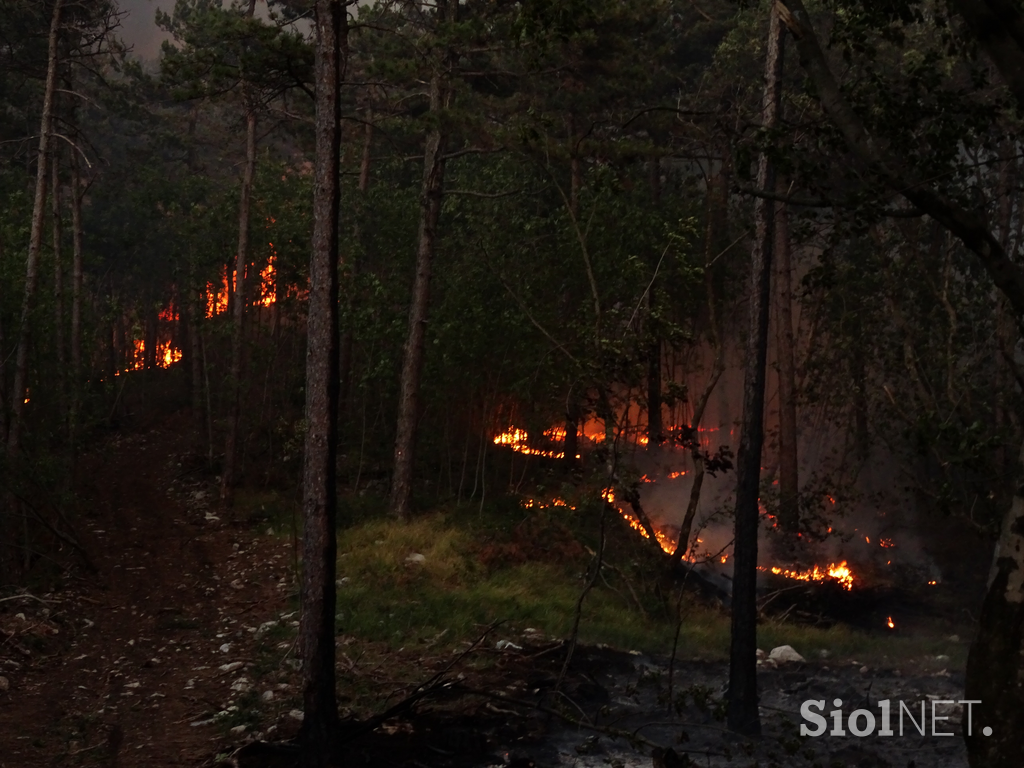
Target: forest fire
{"x":839,"y":572}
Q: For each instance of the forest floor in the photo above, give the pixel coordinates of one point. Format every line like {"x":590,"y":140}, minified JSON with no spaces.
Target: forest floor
{"x":178,"y":651}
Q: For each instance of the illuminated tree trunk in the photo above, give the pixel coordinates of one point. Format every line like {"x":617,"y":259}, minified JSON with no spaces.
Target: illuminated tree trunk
{"x":227,"y":483}
{"x":431,"y":194}
{"x":18,"y":390}
{"x":319,"y":496}
{"x":742,"y":696}
{"x":995,"y":655}
{"x":789,"y":479}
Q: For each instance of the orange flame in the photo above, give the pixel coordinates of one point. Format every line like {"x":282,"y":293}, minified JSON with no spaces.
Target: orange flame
{"x":839,"y":572}
{"x":891,"y":623}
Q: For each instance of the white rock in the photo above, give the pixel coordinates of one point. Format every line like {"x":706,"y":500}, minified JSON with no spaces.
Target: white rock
{"x":761,"y":655}
{"x":296,"y":714}
{"x":225,"y":648}
{"x":784,"y":654}
{"x":239,"y":729}
{"x":5,"y":684}
{"x":230,"y":667}
{"x":502,"y":645}
{"x":415,"y":559}
{"x":268,"y":696}
{"x":241,"y":685}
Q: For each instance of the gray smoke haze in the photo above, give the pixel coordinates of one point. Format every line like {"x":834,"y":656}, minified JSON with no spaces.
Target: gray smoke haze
{"x":138,"y":28}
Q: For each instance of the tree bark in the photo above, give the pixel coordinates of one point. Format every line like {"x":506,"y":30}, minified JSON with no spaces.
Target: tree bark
{"x":20,"y":383}
{"x":789,"y":478}
{"x":319,"y":496}
{"x":347,"y":337}
{"x":743,"y":714}
{"x":58,"y":284}
{"x":994,"y":661}
{"x":76,"y":302}
{"x":238,"y":319}
{"x":654,"y":421}
{"x":431,"y":194}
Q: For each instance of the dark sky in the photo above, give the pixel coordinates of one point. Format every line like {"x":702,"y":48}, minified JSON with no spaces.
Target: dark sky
{"x":138,"y":29}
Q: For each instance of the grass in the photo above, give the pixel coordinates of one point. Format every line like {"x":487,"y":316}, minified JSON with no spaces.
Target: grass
{"x":527,"y":569}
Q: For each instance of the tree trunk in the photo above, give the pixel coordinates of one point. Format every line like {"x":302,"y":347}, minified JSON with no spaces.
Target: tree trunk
{"x":58,"y":285}
{"x":571,"y":443}
{"x":319,"y":496}
{"x":742,"y":696}
{"x":654,"y":423}
{"x":431,"y":194}
{"x":227,"y":482}
{"x":789,"y":479}
{"x":76,"y":301}
{"x":20,"y":384}
{"x":994,"y":661}
{"x":348,"y":338}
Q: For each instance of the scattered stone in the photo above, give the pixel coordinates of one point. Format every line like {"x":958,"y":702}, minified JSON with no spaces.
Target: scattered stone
{"x":825,"y":653}
{"x":761,"y":655}
{"x":5,"y":684}
{"x":241,"y":685}
{"x":238,"y":730}
{"x":954,"y":638}
{"x":785,"y":654}
{"x":268,"y":696}
{"x":237,"y":584}
{"x":864,"y":669}
{"x":297,"y":714}
{"x":230,"y":667}
{"x":502,"y":645}
{"x":415,"y":559}
{"x":225,"y":648}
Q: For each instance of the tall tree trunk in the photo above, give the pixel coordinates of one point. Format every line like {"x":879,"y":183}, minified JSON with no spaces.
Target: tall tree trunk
{"x":789,"y":479}
{"x":431,"y":194}
{"x":319,"y":495}
{"x":76,"y":302}
{"x":227,"y":482}
{"x":742,"y":696}
{"x":654,"y":423}
{"x":58,"y":284}
{"x":994,"y":661}
{"x":35,"y":238}
{"x":571,"y":443}
{"x":348,"y":338}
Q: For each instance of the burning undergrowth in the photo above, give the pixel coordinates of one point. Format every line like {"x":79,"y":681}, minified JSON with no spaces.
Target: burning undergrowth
{"x":681,"y":496}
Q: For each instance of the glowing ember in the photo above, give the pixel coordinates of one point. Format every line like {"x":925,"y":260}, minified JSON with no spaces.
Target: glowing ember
{"x":674,"y":475}
{"x":891,"y":624}
{"x":839,"y":572}
{"x":886,"y":543}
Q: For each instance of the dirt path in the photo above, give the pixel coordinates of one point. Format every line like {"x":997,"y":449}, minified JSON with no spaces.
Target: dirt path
{"x":157,"y":656}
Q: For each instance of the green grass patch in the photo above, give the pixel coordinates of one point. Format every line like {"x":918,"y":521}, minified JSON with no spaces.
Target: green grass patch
{"x":527,"y":569}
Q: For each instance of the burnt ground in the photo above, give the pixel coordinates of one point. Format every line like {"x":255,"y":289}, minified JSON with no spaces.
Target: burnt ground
{"x":177,"y":651}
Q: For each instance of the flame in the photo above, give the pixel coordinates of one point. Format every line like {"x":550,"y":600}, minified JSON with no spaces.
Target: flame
{"x":932,"y":583}
{"x":674,"y":475}
{"x":886,"y":543}
{"x":890,"y":623}
{"x":268,"y":281}
{"x":839,"y":572}
{"x":217,"y":296}
{"x":518,"y":439}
